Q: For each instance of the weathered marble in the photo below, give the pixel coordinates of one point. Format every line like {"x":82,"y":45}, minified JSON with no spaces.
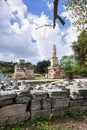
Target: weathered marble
{"x":41,"y":104}
{"x":22,"y":99}
{"x":60,"y":103}
{"x":58,"y":93}
{"x":12,"y":110}
{"x":38,"y":94}
{"x":19,"y":117}
{"x":23,"y":70}
{"x":54,"y":70}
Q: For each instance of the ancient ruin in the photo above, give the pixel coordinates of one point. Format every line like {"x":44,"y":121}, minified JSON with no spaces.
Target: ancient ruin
{"x":25,"y":102}
{"x":23,"y":70}
{"x":54,"y":70}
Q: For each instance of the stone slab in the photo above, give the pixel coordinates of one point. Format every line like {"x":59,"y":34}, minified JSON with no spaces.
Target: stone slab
{"x":36,"y":113}
{"x":58,"y":103}
{"x":6,"y":102}
{"x":21,"y":117}
{"x":58,"y":93}
{"x":10,"y":96}
{"x":41,"y":104}
{"x":35,"y":105}
{"x":12,"y":110}
{"x":38,"y":94}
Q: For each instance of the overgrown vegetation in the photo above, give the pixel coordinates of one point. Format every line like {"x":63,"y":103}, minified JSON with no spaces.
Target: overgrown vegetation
{"x":77,"y":64}
{"x":42,"y":67}
{"x":7,"y":67}
{"x":78,"y":114}
{"x":68,"y":62}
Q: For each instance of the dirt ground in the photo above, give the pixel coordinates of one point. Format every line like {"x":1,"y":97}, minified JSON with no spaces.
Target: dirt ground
{"x":65,"y":124}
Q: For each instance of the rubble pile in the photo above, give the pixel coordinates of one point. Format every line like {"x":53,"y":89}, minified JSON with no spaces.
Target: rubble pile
{"x":23,"y":102}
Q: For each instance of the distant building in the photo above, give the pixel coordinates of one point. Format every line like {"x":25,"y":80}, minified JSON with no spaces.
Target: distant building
{"x":54,"y":70}
{"x":23,"y":70}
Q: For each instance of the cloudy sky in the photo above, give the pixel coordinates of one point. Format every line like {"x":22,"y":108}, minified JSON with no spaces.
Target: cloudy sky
{"x":20,"y":38}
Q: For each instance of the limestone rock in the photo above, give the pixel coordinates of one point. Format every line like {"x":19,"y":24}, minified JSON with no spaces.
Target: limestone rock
{"x":12,"y":110}
{"x":21,"y":117}
{"x":58,"y":93}
{"x":40,"y":104}
{"x":22,"y":99}
{"x":60,"y":103}
{"x":38,"y":94}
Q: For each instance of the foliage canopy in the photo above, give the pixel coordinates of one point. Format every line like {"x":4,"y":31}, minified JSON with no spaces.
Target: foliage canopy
{"x":78,"y":11}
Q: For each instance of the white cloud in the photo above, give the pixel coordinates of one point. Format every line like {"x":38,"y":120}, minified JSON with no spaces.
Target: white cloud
{"x":17,"y":32}
{"x":50,"y":5}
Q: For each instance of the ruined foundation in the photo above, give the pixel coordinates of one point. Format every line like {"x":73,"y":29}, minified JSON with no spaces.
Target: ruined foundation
{"x":26,"y":104}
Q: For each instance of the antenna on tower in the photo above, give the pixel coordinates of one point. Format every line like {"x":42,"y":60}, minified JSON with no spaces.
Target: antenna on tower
{"x":45,"y":25}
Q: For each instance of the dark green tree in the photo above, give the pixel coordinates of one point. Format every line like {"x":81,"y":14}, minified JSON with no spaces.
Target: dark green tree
{"x":7,"y":67}
{"x":80,"y":49}
{"x":42,"y":67}
{"x":67,"y":62}
{"x":80,"y":53}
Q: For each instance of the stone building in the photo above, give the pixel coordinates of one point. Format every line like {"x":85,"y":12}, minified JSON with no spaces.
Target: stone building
{"x":54,"y":70}
{"x":23,"y":70}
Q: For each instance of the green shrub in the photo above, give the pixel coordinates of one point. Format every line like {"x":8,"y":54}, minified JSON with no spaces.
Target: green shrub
{"x":43,"y":126}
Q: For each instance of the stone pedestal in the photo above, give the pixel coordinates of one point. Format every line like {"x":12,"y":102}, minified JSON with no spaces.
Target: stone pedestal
{"x":55,"y":71}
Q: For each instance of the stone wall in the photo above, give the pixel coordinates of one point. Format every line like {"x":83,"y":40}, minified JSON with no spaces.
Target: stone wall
{"x":27,"y":103}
